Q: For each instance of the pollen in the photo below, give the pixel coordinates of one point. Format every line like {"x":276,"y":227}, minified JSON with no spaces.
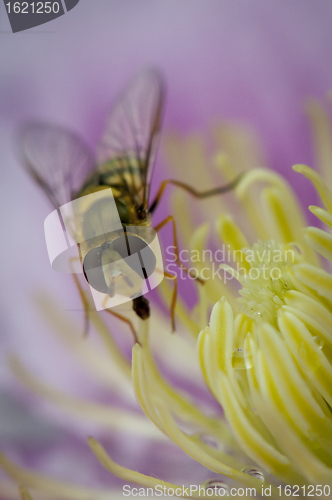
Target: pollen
{"x":268,"y":278}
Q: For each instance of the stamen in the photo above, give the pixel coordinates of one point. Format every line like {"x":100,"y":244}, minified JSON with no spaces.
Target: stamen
{"x":197,"y":453}
{"x":322,"y":133}
{"x":127,"y":475}
{"x":176,"y":402}
{"x":25,"y":495}
{"x":95,"y":360}
{"x":57,"y":489}
{"x":108,"y":417}
{"x":268,"y":278}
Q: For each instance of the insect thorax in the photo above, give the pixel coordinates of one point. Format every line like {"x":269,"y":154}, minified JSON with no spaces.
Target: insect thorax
{"x":124,"y":178}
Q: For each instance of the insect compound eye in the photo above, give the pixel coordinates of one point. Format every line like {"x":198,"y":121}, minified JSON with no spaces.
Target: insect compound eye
{"x":96,"y":278}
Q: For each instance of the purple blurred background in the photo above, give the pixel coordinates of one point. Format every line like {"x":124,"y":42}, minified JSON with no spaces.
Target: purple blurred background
{"x":256,"y":62}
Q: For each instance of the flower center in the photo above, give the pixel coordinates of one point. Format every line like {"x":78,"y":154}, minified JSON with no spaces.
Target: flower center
{"x":268,"y":278}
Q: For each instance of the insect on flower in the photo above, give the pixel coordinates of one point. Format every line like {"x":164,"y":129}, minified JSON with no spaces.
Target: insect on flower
{"x":66,"y":170}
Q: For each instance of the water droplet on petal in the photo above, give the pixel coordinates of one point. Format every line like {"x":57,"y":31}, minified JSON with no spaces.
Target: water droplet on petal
{"x":249,"y":361}
{"x":242,"y":360}
{"x":220,"y":489}
{"x":254,"y":473}
{"x":319,"y":342}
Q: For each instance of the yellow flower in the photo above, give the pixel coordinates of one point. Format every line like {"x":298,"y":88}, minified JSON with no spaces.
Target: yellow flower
{"x":265,"y":355}
{"x":268,"y":362}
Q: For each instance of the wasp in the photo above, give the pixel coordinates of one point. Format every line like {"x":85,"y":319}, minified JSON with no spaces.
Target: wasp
{"x":63,"y":166}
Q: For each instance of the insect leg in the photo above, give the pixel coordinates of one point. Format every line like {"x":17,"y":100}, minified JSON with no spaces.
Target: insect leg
{"x":85,"y":302}
{"x":192,"y":191}
{"x":163,"y":223}
{"x":168,"y":219}
{"x":126,"y":320}
{"x":174,"y":296}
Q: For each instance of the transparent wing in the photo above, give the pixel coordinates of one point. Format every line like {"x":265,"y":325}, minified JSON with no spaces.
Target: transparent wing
{"x":132,"y":131}
{"x":56,"y":158}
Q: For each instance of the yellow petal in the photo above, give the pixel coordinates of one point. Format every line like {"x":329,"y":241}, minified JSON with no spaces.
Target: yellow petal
{"x":316,"y":279}
{"x":322,"y":214}
{"x":318,"y":182}
{"x":322,"y":133}
{"x":319,"y":240}
{"x":232,"y":236}
{"x":307,"y":353}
